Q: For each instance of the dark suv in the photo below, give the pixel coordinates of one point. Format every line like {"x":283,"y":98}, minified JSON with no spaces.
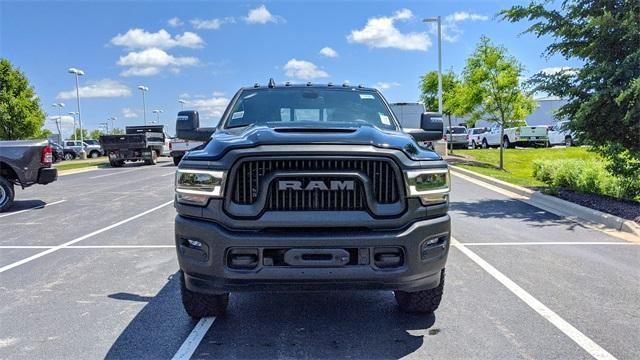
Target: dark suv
{"x":310,"y":187}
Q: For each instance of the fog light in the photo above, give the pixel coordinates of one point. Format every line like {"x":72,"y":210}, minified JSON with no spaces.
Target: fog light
{"x":433,"y":247}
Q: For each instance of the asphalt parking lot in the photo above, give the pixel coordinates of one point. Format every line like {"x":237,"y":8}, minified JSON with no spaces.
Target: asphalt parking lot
{"x":93,"y":274}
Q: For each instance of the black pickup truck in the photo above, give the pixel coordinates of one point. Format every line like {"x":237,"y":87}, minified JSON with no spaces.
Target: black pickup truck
{"x":24,"y":163}
{"x":311,"y":187}
{"x":139,"y":143}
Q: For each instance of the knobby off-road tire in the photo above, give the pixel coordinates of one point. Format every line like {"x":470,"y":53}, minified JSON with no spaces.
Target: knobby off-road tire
{"x":116,"y":163}
{"x":199,"y":305}
{"x":6,"y":194}
{"x":425,"y":301}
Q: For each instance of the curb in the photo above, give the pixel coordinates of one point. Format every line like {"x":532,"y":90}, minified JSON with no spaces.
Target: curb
{"x":558,"y":206}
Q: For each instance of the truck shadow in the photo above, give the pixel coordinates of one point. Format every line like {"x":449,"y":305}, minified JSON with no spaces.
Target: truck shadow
{"x":19,"y":205}
{"x":278,"y":325}
{"x":511,"y":209}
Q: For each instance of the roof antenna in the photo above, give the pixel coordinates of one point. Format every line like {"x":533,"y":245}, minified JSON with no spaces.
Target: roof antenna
{"x":272,"y":83}
{"x":256,"y":85}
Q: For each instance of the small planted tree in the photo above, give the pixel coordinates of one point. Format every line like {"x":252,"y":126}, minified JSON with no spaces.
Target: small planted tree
{"x":95,"y":134}
{"x":20,"y":114}
{"x":491,"y":89}
{"x":429,"y":92}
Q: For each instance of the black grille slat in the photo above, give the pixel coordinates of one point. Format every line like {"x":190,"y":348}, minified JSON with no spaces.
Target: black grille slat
{"x":249,"y":176}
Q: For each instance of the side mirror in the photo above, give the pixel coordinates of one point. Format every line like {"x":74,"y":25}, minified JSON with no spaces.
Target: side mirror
{"x":188,"y":127}
{"x":431,"y":128}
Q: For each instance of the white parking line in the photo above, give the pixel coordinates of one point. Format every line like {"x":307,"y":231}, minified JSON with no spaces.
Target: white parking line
{"x":116,"y":173}
{"x":76,"y":240}
{"x":33,"y":208}
{"x":190,"y":345}
{"x":574,"y":334}
{"x":171,"y":173}
{"x":527,"y":243}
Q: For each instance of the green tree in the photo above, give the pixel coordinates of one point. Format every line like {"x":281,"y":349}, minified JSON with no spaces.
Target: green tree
{"x":95,"y":134}
{"x":429,"y":90}
{"x":85,"y":134}
{"x":491,"y":89}
{"x":20,"y":114}
{"x":604,"y":94}
{"x":117,"y":131}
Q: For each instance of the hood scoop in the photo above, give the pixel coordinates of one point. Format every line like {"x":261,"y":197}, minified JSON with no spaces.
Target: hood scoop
{"x":310,"y":130}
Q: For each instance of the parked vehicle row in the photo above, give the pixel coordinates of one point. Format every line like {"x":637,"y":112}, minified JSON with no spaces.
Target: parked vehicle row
{"x":542,"y":135}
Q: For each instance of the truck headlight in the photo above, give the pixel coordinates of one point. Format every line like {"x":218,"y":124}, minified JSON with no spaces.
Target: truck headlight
{"x":432,"y":186}
{"x":196,"y":187}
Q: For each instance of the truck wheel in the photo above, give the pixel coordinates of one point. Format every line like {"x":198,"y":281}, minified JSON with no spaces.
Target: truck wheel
{"x":199,"y":305}
{"x":176,"y":160}
{"x":116,"y":163}
{"x":568,"y":142}
{"x":506,"y":143}
{"x":473,"y":144}
{"x":153,"y":160}
{"x":425,"y":301}
{"x":69,"y":156}
{"x":94,"y":154}
{"x":485,"y":144}
{"x":6,"y":194}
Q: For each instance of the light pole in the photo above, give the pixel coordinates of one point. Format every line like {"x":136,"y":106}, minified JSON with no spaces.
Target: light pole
{"x":59,"y":121}
{"x":106,"y":126}
{"x":113,"y":118}
{"x":158,"y":112}
{"x":74,"y":113}
{"x":78,"y":73}
{"x":438,"y":20}
{"x":144,"y":89}
{"x":182,"y":102}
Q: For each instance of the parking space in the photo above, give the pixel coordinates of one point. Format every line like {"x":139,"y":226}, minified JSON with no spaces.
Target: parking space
{"x":115,"y":293}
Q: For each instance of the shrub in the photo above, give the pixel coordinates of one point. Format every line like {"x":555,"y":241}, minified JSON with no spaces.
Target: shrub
{"x":589,"y":176}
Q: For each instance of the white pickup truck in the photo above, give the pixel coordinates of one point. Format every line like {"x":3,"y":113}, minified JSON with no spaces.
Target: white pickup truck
{"x":178,"y":147}
{"x":559,"y":134}
{"x":521,"y":135}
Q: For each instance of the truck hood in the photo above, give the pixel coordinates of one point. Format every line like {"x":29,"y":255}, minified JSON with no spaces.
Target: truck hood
{"x":224,"y":140}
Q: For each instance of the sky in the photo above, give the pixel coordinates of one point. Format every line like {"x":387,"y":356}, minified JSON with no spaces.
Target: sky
{"x":202,"y":52}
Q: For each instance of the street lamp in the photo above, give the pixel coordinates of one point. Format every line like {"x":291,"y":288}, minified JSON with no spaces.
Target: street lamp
{"x":158,"y":112}
{"x":144,"y":89}
{"x":106,"y":126}
{"x":182,"y":102}
{"x":74,"y":113}
{"x":78,"y":73}
{"x":438,"y":20}
{"x":59,"y":121}
{"x":113,"y":118}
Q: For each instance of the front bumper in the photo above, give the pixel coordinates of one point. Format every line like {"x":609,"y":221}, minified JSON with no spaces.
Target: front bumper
{"x":207,"y":270}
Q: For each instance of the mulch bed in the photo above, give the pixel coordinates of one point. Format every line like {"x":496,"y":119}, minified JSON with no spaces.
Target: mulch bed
{"x":625,"y":209}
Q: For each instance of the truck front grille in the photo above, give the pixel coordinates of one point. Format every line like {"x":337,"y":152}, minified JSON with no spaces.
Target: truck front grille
{"x":249,"y":178}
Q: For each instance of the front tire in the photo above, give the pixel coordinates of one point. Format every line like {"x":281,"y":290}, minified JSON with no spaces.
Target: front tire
{"x":6,"y":194}
{"x":94,"y":154}
{"x":176,"y":160}
{"x":199,"y":305}
{"x":485,"y":144}
{"x":69,"y":156}
{"x":568,"y":142}
{"x":425,"y":301}
{"x":506,"y":143}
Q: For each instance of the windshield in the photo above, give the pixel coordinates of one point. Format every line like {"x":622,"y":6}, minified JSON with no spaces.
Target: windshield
{"x":310,"y":107}
{"x":458,"y":130}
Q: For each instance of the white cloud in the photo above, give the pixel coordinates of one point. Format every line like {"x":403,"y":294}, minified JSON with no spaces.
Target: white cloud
{"x":65,"y":120}
{"x":559,"y":70}
{"x":381,"y":85}
{"x":328,"y":52}
{"x":101,"y":88}
{"x":303,"y":70}
{"x":141,"y":39}
{"x":381,"y":33}
{"x":261,"y":15}
{"x":209,"y":107}
{"x":174,"y":22}
{"x":211,"y":24}
{"x":451,"y":32}
{"x":464,"y":16}
{"x":128,"y":113}
{"x":150,"y":61}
